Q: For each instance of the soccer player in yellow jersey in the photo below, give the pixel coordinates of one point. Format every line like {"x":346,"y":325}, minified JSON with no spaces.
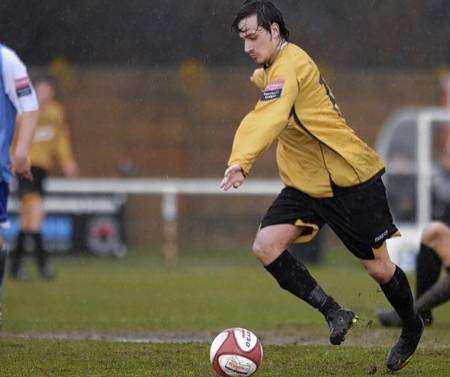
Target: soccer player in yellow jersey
{"x":331,"y":176}
{"x":50,"y":143}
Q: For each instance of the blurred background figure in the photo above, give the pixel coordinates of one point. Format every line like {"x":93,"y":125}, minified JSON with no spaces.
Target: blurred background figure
{"x":51,"y":144}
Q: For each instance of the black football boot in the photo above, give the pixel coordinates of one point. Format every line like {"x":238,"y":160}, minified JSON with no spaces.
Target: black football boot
{"x":403,"y":350}
{"x":339,"y":322}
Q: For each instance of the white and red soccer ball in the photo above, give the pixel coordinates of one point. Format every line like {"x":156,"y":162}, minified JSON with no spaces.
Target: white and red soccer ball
{"x":236,"y":352}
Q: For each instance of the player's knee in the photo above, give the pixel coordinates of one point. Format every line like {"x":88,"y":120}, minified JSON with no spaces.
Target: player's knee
{"x":432,"y":232}
{"x":263,"y":249}
{"x":380,"y":271}
{"x":259,"y":248}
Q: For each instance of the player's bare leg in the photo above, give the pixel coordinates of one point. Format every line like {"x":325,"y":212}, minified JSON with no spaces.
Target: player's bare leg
{"x":396,"y":288}
{"x":270,"y":247}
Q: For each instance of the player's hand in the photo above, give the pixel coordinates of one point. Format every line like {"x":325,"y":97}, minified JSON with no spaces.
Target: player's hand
{"x":21,"y":166}
{"x":71,"y":169}
{"x":233,"y":177}
{"x":257,"y":78}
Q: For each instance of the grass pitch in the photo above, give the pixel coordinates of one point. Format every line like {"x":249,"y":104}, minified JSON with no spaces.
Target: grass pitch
{"x":137,"y":298}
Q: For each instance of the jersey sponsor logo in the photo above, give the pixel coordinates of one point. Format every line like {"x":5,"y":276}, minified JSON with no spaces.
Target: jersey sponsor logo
{"x":43,"y":134}
{"x":273,"y":90}
{"x":23,"y":86}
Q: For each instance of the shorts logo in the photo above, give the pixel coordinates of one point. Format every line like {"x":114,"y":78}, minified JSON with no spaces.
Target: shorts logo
{"x":23,"y":86}
{"x":273,"y":90}
{"x":381,"y":236}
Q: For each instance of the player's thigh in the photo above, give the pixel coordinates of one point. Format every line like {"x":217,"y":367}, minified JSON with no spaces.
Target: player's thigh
{"x":360,"y":217}
{"x":290,"y":218}
{"x":276,"y":237}
{"x":271,"y":241}
{"x":292,"y":207}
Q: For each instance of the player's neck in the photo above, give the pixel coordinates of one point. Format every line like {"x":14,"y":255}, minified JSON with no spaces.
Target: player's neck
{"x":282,"y":43}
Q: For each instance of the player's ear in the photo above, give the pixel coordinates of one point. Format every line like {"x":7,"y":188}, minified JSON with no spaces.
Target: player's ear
{"x":275,"y":30}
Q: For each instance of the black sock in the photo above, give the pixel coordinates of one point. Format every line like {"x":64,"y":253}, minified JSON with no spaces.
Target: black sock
{"x":428,"y":269}
{"x":398,"y":293}
{"x":435,"y":296}
{"x":292,"y":275}
{"x":41,"y":253}
{"x":18,"y":253}
{"x":3,"y":254}
{"x":447,"y":269}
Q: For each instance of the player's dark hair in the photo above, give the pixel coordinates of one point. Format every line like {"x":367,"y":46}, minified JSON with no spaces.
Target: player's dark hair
{"x":49,"y":80}
{"x":266,"y":14}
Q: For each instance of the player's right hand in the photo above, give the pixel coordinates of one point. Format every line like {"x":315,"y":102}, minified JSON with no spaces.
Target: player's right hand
{"x":233,"y":177}
{"x":21,"y":166}
{"x":258,"y":78}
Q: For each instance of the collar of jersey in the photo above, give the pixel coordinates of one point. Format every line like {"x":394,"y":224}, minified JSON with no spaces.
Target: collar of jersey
{"x":282,"y":47}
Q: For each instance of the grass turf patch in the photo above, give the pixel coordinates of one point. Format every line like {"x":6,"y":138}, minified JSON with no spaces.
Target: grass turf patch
{"x":95,"y":359}
{"x":204,"y":294}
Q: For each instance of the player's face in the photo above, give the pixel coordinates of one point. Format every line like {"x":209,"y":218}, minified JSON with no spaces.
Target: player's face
{"x":45,"y":93}
{"x":260,"y":44}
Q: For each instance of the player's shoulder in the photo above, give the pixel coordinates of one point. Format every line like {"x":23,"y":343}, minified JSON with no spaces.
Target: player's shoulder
{"x":296,"y":54}
{"x":294,"y":58}
{"x":9,"y":55}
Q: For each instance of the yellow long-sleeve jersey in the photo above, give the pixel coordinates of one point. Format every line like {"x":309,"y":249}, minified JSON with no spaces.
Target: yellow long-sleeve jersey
{"x":51,"y":142}
{"x":316,"y":148}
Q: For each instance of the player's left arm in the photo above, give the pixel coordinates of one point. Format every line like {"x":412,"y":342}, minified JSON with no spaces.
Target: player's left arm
{"x":234,"y":175}
{"x":259,"y":129}
{"x":26,"y":125}
{"x":20,"y":90}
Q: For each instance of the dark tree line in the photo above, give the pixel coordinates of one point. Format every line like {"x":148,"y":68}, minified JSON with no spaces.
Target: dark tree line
{"x":358,"y":33}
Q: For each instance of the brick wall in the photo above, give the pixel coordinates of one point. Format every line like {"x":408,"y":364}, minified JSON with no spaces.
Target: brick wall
{"x":170,"y":128}
{"x":167,"y":129}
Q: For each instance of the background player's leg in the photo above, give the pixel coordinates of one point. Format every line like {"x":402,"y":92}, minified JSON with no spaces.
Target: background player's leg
{"x":435,"y":252}
{"x":41,"y":256}
{"x":32,"y":226}
{"x":270,"y":247}
{"x":16,"y":257}
{"x":3,"y":252}
{"x":428,"y":269}
{"x":28,"y":221}
{"x":438,"y":294}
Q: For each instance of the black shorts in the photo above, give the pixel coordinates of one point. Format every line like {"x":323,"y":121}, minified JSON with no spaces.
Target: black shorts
{"x":25,"y":186}
{"x":359,"y":215}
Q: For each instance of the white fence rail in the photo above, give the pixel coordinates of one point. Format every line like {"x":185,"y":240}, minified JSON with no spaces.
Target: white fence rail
{"x":169,"y":189}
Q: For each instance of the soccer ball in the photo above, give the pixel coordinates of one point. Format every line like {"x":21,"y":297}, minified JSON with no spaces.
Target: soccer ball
{"x":236,"y":352}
